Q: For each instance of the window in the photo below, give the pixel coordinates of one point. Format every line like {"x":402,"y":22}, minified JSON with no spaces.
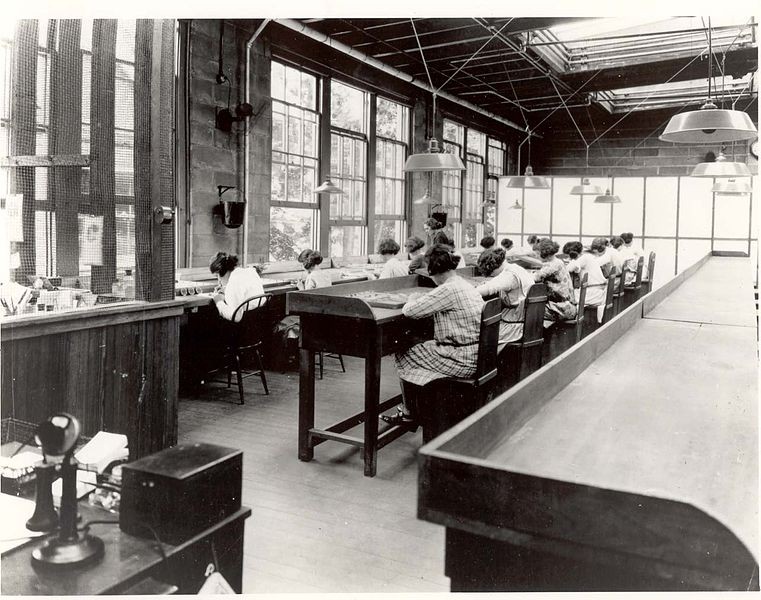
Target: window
{"x":392,"y":139}
{"x":496,"y":154}
{"x":295,"y":152}
{"x":474,"y":187}
{"x":348,"y":169}
{"x":451,"y":193}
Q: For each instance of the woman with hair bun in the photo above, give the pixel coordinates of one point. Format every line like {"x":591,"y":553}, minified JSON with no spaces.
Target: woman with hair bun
{"x":561,"y":301}
{"x":392,"y":267}
{"x":315,"y":278}
{"x":455,"y":306}
{"x":235,"y":285}
{"x":511,"y":282}
{"x":587,"y":262}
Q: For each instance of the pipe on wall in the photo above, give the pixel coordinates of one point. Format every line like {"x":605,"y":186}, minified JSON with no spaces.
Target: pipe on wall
{"x":375,"y":63}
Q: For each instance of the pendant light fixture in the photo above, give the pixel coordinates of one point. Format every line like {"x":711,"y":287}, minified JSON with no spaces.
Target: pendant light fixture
{"x":710,"y":123}
{"x":608,"y":198}
{"x":731,"y":187}
{"x":529,"y":181}
{"x":586,"y":189}
{"x":721,"y":167}
{"x":516,"y":205}
{"x":328,"y":187}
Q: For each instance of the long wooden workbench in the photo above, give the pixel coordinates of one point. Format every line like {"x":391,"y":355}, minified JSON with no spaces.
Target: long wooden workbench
{"x":640,"y":474}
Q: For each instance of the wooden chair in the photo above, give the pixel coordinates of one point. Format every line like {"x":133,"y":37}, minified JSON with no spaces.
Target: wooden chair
{"x":566,"y":333}
{"x":610,"y":301}
{"x":445,"y":402}
{"x":636,"y":287}
{"x":648,"y":281}
{"x":242,"y":337}
{"x":619,"y":291}
{"x":521,"y":358}
{"x":320,"y":357}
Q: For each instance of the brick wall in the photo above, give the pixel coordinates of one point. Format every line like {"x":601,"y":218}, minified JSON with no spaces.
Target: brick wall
{"x":215,"y":157}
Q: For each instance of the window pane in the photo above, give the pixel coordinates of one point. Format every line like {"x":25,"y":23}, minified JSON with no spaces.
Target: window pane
{"x":277,"y":81}
{"x":595,"y":217}
{"x":508,"y":219}
{"x":627,"y":216}
{"x":347,"y":107}
{"x":384,"y":229}
{"x":660,"y":206}
{"x":732,"y":215}
{"x":690,"y":251}
{"x":665,"y":254}
{"x":537,"y":212}
{"x":565,"y":207}
{"x":291,"y":231}
{"x":392,"y":120}
{"x":695,"y":206}
{"x":347,"y":241}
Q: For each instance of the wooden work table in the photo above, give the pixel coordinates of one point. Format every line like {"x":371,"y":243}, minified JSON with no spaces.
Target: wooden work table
{"x":334,"y":321}
{"x":641,"y":474}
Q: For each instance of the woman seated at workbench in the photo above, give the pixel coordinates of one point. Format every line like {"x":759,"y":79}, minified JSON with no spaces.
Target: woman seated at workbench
{"x":561,"y":301}
{"x":393,"y":267}
{"x":511,"y":287}
{"x":441,"y":237}
{"x":315,"y":277}
{"x":235,"y":285}
{"x":415,"y":248}
{"x":625,"y":257}
{"x":455,"y":306}
{"x":582,"y":262}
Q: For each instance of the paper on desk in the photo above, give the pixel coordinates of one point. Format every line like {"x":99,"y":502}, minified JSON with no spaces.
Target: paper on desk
{"x":103,"y":449}
{"x":23,"y":460}
{"x":16,"y":512}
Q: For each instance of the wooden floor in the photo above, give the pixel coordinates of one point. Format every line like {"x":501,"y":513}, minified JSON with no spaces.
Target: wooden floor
{"x":321,"y":526}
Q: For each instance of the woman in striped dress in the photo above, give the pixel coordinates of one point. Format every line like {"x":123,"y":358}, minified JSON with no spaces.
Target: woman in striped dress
{"x":455,"y":306}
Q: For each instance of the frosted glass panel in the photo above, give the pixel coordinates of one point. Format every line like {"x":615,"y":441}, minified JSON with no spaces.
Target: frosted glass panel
{"x":537,"y":212}
{"x":665,"y":253}
{"x":695,"y":205}
{"x":565,"y":208}
{"x":508,"y":219}
{"x":691,"y":251}
{"x":596,"y":217}
{"x":736,"y":246}
{"x":660,"y":206}
{"x":732,"y":215}
{"x":627,"y":216}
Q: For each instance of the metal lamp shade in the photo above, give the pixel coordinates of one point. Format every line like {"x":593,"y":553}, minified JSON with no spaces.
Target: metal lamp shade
{"x":328,"y":187}
{"x":731,"y":187}
{"x":586,"y":189}
{"x":425,"y":199}
{"x":607,"y":198}
{"x":721,"y":167}
{"x":528,"y":181}
{"x":516,"y":206}
{"x":433,"y":160}
{"x":709,"y":124}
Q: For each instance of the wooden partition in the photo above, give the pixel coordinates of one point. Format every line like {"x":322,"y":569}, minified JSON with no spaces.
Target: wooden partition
{"x":115,"y":368}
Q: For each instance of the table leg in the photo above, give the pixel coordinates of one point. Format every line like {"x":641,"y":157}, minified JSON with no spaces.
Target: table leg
{"x":306,"y":403}
{"x":372,"y":398}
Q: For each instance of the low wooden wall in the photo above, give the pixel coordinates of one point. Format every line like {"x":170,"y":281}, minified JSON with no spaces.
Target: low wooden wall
{"x":114,"y":368}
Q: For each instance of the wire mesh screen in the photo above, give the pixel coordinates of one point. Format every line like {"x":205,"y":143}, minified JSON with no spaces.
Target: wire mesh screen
{"x":70,"y":113}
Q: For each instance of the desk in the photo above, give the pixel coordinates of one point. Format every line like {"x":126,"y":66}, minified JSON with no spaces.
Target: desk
{"x":129,"y":561}
{"x":615,"y":482}
{"x":334,"y":321}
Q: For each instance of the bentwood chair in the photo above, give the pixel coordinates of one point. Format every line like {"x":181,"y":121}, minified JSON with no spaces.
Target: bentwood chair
{"x":445,"y":402}
{"x":636,"y":286}
{"x":244,"y":336}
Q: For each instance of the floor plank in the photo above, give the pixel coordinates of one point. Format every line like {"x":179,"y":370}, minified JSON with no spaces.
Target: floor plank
{"x":321,"y":526}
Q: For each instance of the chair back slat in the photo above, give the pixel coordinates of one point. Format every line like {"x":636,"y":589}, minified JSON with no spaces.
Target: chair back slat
{"x":650,"y":270}
{"x":580,"y":307}
{"x":533,"y":318}
{"x":488,"y":340}
{"x":609,"y":299}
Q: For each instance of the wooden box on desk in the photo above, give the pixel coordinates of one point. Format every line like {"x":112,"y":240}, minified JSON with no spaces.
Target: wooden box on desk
{"x":180,"y":491}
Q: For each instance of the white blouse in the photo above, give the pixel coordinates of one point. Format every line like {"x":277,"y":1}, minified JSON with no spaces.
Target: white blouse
{"x":242,"y":285}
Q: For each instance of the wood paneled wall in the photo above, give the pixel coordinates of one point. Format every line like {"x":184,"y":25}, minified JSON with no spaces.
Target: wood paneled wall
{"x":120,"y":377}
